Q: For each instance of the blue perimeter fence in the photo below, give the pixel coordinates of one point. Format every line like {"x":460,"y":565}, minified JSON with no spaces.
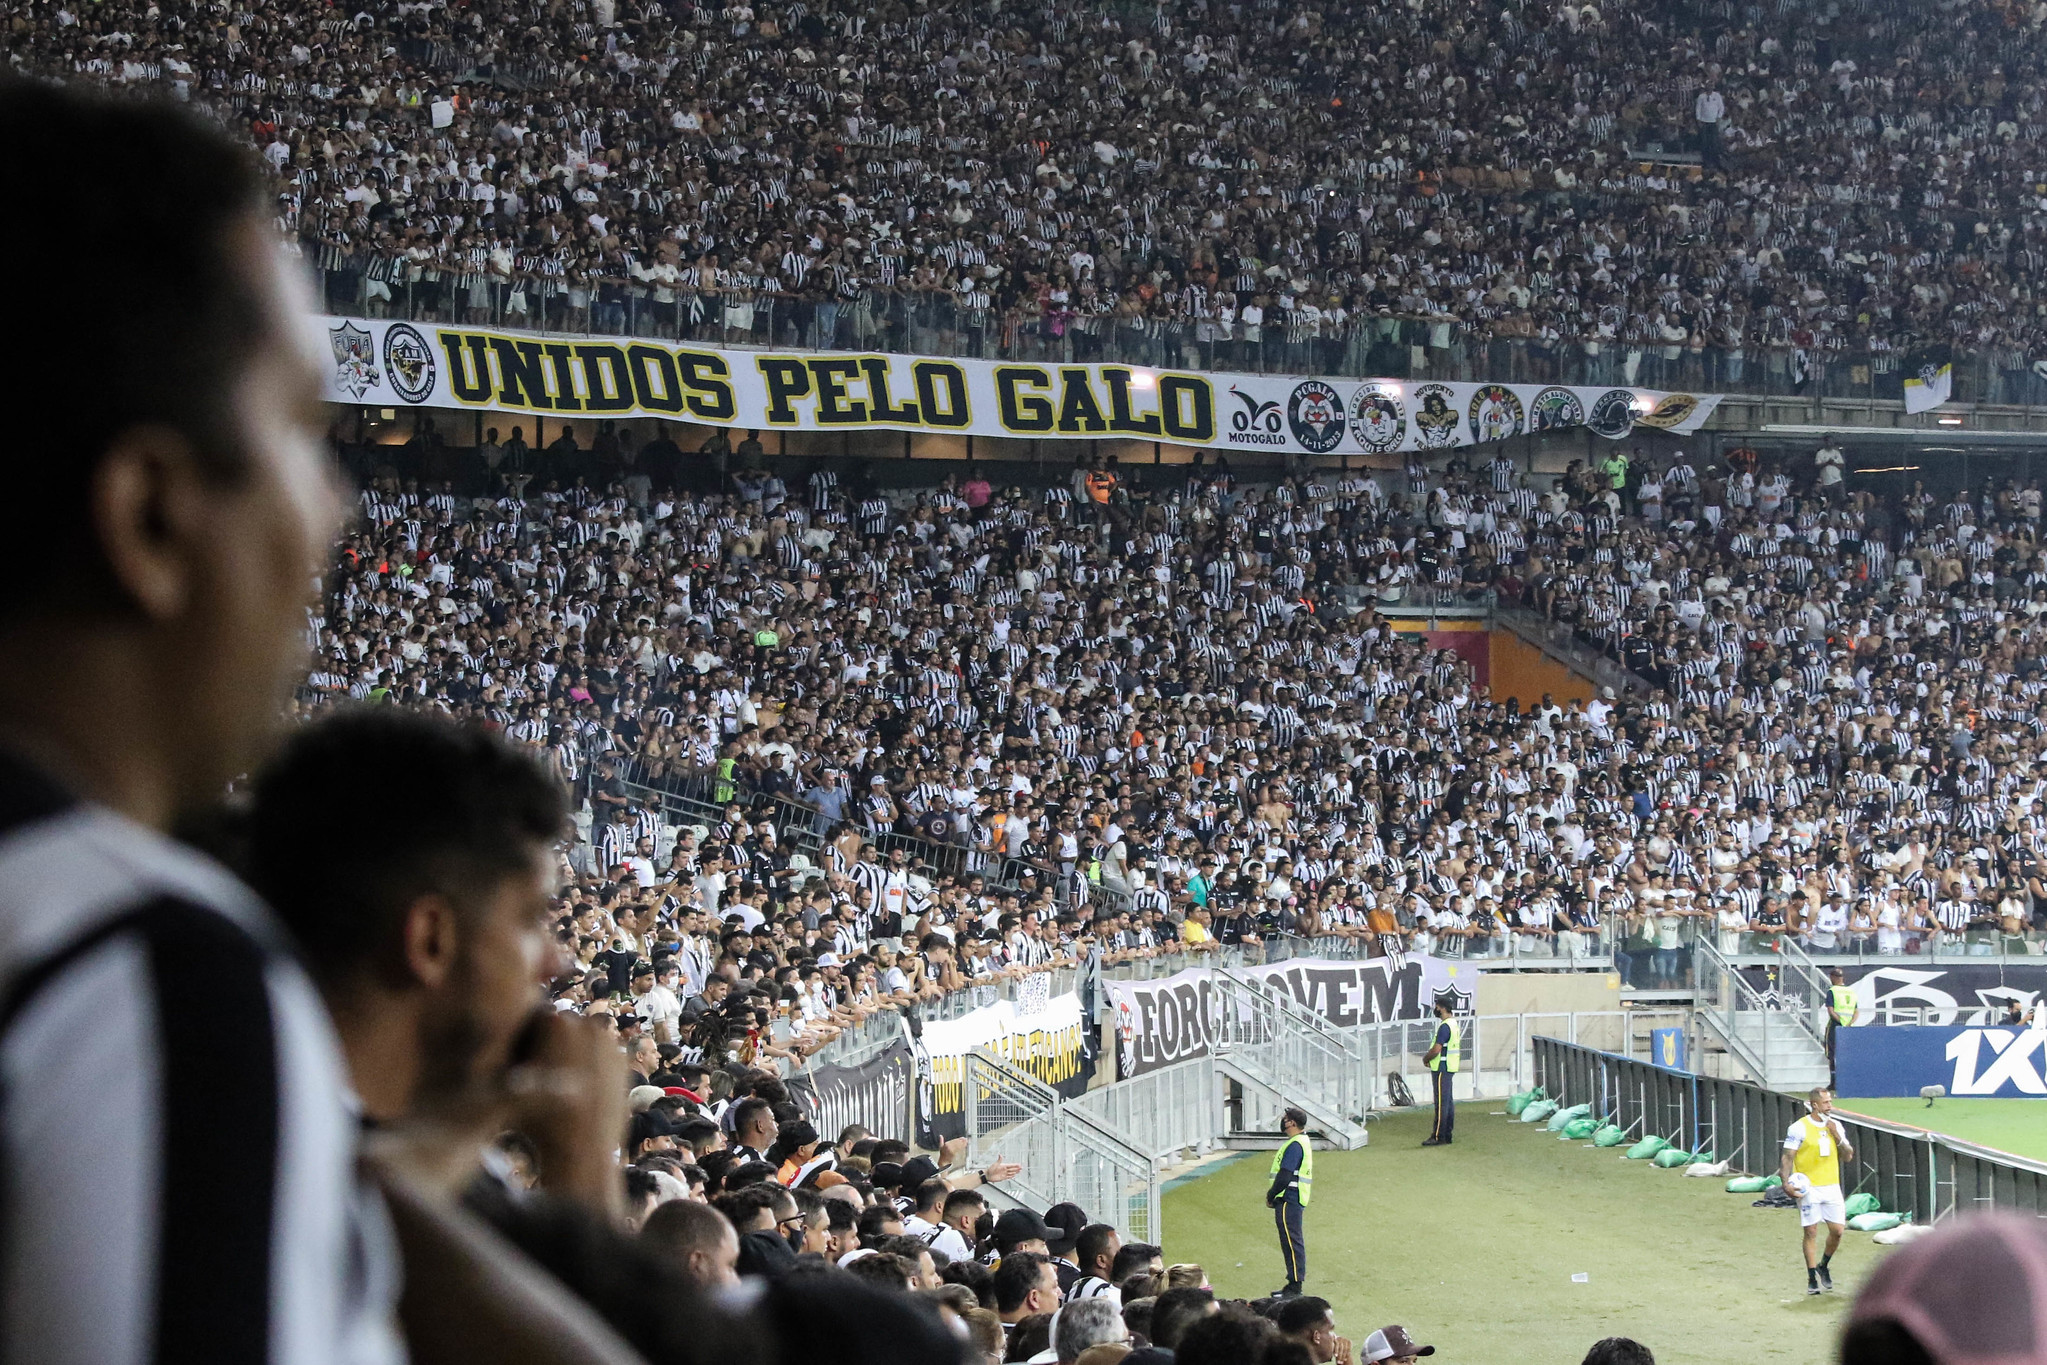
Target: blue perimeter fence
{"x":1910,"y":1170}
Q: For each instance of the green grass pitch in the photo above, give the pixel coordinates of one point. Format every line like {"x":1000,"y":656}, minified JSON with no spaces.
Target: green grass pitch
{"x":1472,"y":1248}
{"x":2015,"y":1126}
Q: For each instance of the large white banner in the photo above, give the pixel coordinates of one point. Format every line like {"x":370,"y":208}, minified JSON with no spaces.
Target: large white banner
{"x":1042,"y":1034}
{"x":381,"y":363}
{"x":1172,"y":1019}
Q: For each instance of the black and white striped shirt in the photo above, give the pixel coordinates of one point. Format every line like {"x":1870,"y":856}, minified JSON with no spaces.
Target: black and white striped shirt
{"x":179,"y":1155}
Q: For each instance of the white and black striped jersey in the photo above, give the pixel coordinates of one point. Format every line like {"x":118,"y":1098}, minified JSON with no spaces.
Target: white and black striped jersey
{"x":179,"y":1156}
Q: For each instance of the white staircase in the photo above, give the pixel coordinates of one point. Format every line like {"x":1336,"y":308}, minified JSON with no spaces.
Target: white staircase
{"x":1775,"y":1035}
{"x":1282,"y":1054}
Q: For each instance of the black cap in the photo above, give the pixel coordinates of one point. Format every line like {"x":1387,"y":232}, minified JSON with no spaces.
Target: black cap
{"x":1020,"y":1225}
{"x":915,"y":1172}
{"x":886,"y":1176}
{"x":1065,"y":1222}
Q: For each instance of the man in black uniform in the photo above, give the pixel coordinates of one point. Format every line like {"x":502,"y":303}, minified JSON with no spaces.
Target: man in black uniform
{"x":1293,"y":1183}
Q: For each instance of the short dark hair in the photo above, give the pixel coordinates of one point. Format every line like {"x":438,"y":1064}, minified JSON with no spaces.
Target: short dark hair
{"x":1131,"y":1258}
{"x":747,"y":1110}
{"x":883,"y":1271}
{"x":1298,"y":1315}
{"x":165,"y":341}
{"x":1623,"y":1351}
{"x":1092,"y":1242}
{"x":682,"y":1226}
{"x":974,"y":1276}
{"x":1019,"y":1273}
{"x":1229,"y":1336}
{"x":960,"y":1199}
{"x":340,"y":867}
{"x":932,"y":1194}
{"x":1175,"y":1310}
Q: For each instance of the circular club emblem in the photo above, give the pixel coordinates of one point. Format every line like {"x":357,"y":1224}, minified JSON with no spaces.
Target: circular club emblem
{"x":1495,"y":413}
{"x":1377,"y":421}
{"x":1435,"y":420}
{"x":1672,"y":411}
{"x":1315,"y":416}
{"x":1613,"y":415}
{"x":1554,"y":408}
{"x":409,"y":361}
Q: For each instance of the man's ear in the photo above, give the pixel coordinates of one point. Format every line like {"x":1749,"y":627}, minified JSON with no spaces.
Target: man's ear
{"x":147,"y":508}
{"x":431,"y":939}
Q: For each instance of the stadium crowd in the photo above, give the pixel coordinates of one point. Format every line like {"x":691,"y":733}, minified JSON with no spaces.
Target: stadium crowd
{"x":1239,"y":184}
{"x":1175,"y":717}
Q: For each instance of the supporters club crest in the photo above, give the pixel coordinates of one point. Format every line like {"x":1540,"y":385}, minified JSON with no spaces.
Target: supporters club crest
{"x":1554,"y":408}
{"x":409,"y":361}
{"x":1613,"y":415}
{"x":1673,"y":410}
{"x":355,"y":360}
{"x":1495,"y":413}
{"x":1435,"y":420}
{"x":1314,"y":413}
{"x":1377,"y":421}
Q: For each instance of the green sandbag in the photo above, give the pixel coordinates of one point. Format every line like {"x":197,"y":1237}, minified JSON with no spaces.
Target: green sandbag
{"x":1672,"y":1156}
{"x":1538,"y":1111}
{"x":1875,"y":1222}
{"x":1772,"y":1182}
{"x":1564,"y":1116}
{"x":1859,"y":1204}
{"x":1707,"y":1155}
{"x":1516,"y":1103}
{"x":1746,"y":1184}
{"x":1647,"y":1147}
{"x":1609,"y":1135}
{"x":1580,"y":1127}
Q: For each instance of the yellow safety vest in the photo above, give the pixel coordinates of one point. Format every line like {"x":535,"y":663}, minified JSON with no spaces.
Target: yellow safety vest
{"x":1447,"y":1059}
{"x":1818,"y":1159}
{"x":1843,"y":1000}
{"x":1304,"y":1181}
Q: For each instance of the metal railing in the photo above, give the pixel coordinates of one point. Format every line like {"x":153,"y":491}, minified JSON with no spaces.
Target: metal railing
{"x":1927,"y":1175}
{"x":1067,"y":1154}
{"x":1762,"y":1031}
{"x":1296,"y":1055}
{"x":919,"y":322}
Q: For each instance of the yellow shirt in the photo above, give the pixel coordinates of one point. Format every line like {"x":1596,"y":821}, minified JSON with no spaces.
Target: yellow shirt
{"x":1190,"y":932}
{"x":1815,"y":1153}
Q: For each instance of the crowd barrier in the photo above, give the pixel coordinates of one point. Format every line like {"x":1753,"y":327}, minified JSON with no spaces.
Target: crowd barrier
{"x":1926,"y":1175}
{"x":937,"y":323}
{"x":1106,"y":1149}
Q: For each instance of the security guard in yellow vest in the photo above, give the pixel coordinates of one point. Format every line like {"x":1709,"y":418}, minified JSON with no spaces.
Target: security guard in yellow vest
{"x":1842,"y":1010}
{"x":1293,"y":1184}
{"x":1442,"y":1061}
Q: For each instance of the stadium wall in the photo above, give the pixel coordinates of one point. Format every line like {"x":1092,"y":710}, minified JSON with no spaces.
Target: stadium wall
{"x":1518,"y":669}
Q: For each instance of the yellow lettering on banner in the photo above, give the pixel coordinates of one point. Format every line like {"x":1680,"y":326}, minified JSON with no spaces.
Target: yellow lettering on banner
{"x":1187,"y":407}
{"x":881,"y":403}
{"x":561,"y":364}
{"x":709,"y":381}
{"x":942,"y":393}
{"x":787,"y":379}
{"x":1023,"y":413}
{"x":605,"y":379}
{"x":468,"y":366}
{"x":834,"y":408}
{"x":1120,"y":415}
{"x":1079,"y":413}
{"x":521,"y":378}
{"x":654,"y":383}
